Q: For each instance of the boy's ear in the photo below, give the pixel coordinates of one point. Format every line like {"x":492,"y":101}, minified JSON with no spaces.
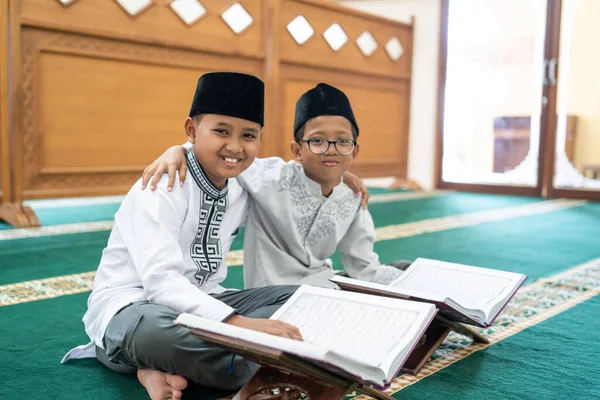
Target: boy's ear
{"x":295,"y":147}
{"x":190,"y":129}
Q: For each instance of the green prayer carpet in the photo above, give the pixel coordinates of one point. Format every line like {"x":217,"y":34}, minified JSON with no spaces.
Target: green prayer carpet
{"x":538,"y":246}
{"x":400,"y":212}
{"x":378,"y":190}
{"x":40,"y":333}
{"x":555,"y":359}
{"x":48,"y":256}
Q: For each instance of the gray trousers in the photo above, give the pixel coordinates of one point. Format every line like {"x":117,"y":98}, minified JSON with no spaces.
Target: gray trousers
{"x":142,"y":335}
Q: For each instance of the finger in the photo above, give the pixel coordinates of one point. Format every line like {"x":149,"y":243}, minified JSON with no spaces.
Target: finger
{"x":285,"y":325}
{"x":279,"y":329}
{"x":172,"y":174}
{"x":357,"y":185}
{"x":291,"y":328}
{"x":291,"y":335}
{"x":366,"y":195}
{"x":277,"y":332}
{"x":365,"y":200}
{"x":285,"y":334}
{"x":297,"y":334}
{"x":362,"y":186}
{"x":295,"y":331}
{"x":146,"y":176}
{"x":182,"y":173}
{"x":157,"y":175}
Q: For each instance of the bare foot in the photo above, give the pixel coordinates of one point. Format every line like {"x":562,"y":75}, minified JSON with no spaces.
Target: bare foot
{"x":160,"y":385}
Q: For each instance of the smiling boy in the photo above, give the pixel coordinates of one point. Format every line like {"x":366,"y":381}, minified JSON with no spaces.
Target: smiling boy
{"x":166,"y":255}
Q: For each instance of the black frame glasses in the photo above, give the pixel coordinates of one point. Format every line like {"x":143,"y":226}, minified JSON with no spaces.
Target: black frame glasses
{"x":329,"y":143}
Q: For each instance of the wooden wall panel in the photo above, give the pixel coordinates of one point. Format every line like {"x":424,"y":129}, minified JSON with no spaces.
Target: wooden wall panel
{"x":99,"y":94}
{"x":158,"y":24}
{"x":317,"y":52}
{"x":96,"y":111}
{"x":4,"y":108}
{"x":380,"y":108}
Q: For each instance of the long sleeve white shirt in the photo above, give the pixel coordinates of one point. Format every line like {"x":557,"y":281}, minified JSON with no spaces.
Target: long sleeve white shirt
{"x":167,"y":248}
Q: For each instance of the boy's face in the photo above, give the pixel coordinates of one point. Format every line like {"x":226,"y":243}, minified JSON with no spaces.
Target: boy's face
{"x":224,"y":146}
{"x":330,"y":166}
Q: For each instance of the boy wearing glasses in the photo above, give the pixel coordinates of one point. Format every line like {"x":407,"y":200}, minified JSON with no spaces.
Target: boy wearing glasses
{"x":301,"y":212}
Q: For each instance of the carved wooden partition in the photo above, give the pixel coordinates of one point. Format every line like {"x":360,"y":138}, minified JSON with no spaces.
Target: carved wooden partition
{"x":100,"y":88}
{"x":5,"y":194}
{"x":377,"y":84}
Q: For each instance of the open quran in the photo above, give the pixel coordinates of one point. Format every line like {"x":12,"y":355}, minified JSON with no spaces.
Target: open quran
{"x":358,"y":337}
{"x":462,"y":293}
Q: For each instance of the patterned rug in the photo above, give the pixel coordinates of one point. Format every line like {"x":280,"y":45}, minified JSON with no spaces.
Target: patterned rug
{"x":47,"y":273}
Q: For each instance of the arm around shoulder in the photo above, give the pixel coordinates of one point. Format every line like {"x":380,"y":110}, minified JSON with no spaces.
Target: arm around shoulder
{"x":173,"y":160}
{"x":258,"y":169}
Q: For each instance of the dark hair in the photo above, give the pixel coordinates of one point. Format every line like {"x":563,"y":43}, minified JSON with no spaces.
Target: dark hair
{"x":198,"y":118}
{"x":300,"y":132}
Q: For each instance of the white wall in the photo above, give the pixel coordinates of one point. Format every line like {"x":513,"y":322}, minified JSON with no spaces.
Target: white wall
{"x":423,"y":108}
{"x":579,"y":76}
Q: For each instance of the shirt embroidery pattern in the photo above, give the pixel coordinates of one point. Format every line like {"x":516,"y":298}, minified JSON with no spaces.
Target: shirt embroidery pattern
{"x":330,"y":212}
{"x":302,"y":200}
{"x":206,"y":250}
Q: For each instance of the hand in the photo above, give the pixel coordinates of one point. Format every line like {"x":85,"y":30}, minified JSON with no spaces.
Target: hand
{"x":270,"y":326}
{"x":172,"y":160}
{"x":357,"y":185}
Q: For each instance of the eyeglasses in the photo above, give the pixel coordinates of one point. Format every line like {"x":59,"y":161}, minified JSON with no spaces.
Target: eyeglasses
{"x":320,"y":146}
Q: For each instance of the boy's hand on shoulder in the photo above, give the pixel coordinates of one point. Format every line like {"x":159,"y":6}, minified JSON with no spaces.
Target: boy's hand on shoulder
{"x":270,"y":326}
{"x":358,"y":186}
{"x":170,"y":161}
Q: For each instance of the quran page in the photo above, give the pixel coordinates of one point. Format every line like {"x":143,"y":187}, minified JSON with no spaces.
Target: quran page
{"x":471,"y":287}
{"x":370,"y":329}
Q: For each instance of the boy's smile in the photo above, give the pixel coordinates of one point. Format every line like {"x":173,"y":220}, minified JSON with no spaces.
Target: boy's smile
{"x":231,"y":162}
{"x":224,"y":146}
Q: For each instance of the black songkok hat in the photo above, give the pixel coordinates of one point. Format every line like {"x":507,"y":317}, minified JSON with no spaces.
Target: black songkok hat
{"x":232,"y":94}
{"x":323,"y":99}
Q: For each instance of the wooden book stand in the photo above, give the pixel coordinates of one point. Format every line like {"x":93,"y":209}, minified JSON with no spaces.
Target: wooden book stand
{"x":288,"y":377}
{"x":435,"y":334}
